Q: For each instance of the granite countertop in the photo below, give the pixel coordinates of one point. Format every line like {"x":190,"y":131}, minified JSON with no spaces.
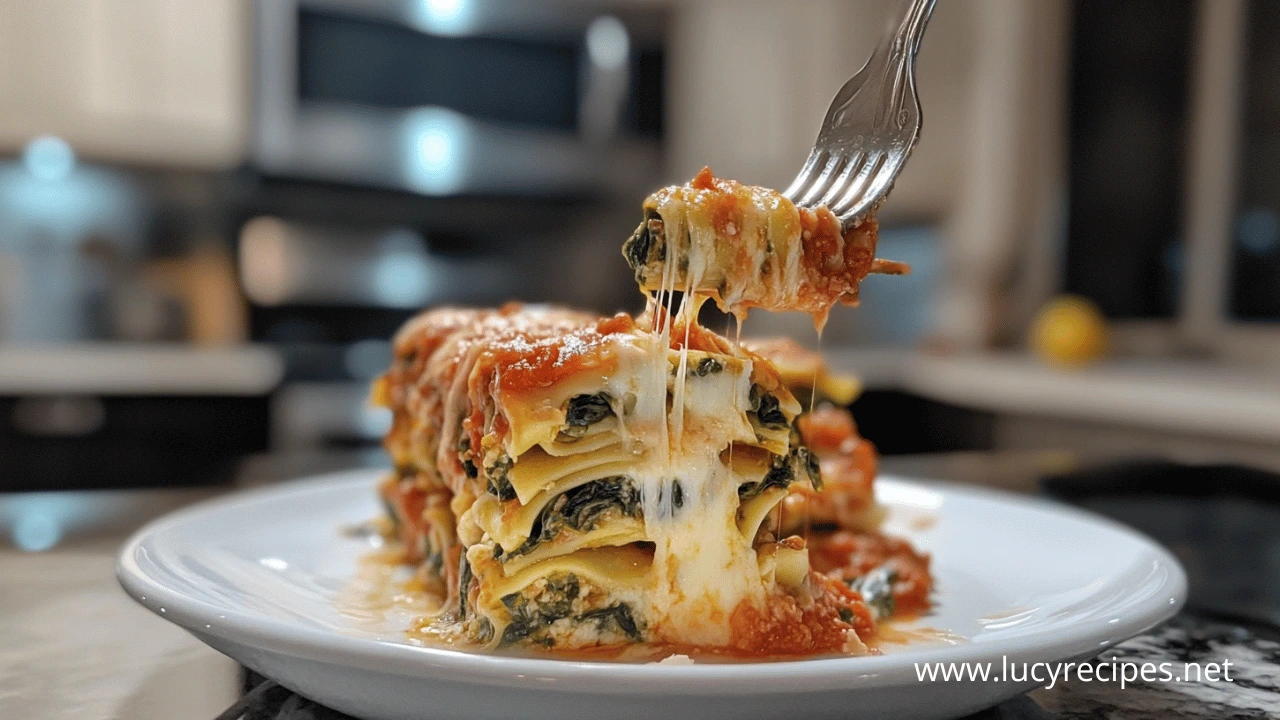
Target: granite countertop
{"x":1253,"y":692}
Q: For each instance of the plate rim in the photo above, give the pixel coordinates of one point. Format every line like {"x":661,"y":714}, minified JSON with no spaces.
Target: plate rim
{"x":326,"y":646}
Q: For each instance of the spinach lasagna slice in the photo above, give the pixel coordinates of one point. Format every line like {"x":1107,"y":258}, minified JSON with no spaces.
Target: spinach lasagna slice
{"x":568,"y":481}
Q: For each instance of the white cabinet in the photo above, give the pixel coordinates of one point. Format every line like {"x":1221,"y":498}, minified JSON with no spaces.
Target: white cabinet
{"x":156,"y":82}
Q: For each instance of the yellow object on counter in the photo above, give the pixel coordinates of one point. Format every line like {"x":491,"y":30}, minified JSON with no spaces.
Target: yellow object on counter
{"x":1069,"y":331}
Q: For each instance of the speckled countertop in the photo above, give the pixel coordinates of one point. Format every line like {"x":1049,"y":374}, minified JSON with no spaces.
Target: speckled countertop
{"x":1252,"y":692}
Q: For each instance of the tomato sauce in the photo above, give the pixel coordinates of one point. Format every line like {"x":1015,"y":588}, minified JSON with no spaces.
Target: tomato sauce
{"x":845,"y":555}
{"x":785,"y":627}
{"x":826,"y":429}
{"x":523,"y":363}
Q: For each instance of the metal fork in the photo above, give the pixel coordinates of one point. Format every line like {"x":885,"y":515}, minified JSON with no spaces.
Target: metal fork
{"x":870,"y":128}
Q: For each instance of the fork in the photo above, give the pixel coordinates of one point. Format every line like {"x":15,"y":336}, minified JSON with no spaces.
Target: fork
{"x":870,"y":128}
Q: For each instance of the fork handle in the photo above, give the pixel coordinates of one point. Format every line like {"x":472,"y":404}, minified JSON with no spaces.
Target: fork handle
{"x":903,"y":41}
{"x":895,"y":57}
{"x":889,"y":73}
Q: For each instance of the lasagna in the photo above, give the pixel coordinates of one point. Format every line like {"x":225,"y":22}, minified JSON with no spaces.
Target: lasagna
{"x":569,"y":481}
{"x":750,"y":247}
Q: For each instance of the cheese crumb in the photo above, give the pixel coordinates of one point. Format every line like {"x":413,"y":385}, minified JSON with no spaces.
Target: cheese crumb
{"x":853,"y":644}
{"x":675,"y":660}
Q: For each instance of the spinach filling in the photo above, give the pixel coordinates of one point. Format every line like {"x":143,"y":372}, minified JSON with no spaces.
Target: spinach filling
{"x":767,"y":410}
{"x":499,"y":475}
{"x":392,"y":514}
{"x":584,"y":411}
{"x":708,"y":366}
{"x":808,"y":462}
{"x":616,"y":618}
{"x":783,"y":472}
{"x":876,"y":588}
{"x":645,"y":246}
{"x":582,"y":508}
{"x":464,"y":447}
{"x":482,"y":631}
{"x":464,"y":584}
{"x":531,"y":617}
{"x":434,"y":563}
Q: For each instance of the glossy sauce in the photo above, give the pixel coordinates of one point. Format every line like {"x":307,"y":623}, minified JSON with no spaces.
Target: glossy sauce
{"x":895,"y":632}
{"x":846,"y":555}
{"x":384,"y":586}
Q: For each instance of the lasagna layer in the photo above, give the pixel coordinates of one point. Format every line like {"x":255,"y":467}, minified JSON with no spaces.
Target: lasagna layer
{"x":750,"y":247}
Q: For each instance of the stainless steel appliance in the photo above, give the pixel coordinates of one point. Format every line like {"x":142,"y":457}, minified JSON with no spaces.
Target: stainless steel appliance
{"x":448,"y":97}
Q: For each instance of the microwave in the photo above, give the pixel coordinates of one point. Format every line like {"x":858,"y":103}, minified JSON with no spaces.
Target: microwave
{"x":458,"y":97}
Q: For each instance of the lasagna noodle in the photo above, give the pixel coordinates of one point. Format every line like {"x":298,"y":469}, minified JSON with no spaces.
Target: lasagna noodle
{"x":623,"y":567}
{"x":511,"y":523}
{"x":753,"y":511}
{"x":541,"y":419}
{"x":804,"y":371}
{"x":536,"y":472}
{"x":538,"y":416}
{"x":598,"y":435}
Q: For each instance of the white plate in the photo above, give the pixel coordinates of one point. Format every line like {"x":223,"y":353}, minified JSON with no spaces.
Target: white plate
{"x":258,"y":575}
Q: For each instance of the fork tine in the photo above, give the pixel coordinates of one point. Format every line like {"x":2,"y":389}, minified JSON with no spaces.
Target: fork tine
{"x":869,"y":201}
{"x":841,"y":184}
{"x":806,"y":176}
{"x":858,"y":186}
{"x":819,"y":187}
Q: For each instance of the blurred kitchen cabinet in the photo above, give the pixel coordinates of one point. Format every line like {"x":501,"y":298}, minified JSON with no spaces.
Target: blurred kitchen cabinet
{"x":155,"y":82}
{"x":751,"y":80}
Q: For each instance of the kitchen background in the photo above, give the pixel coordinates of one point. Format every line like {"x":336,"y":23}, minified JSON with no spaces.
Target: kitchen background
{"x":214,"y":214}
